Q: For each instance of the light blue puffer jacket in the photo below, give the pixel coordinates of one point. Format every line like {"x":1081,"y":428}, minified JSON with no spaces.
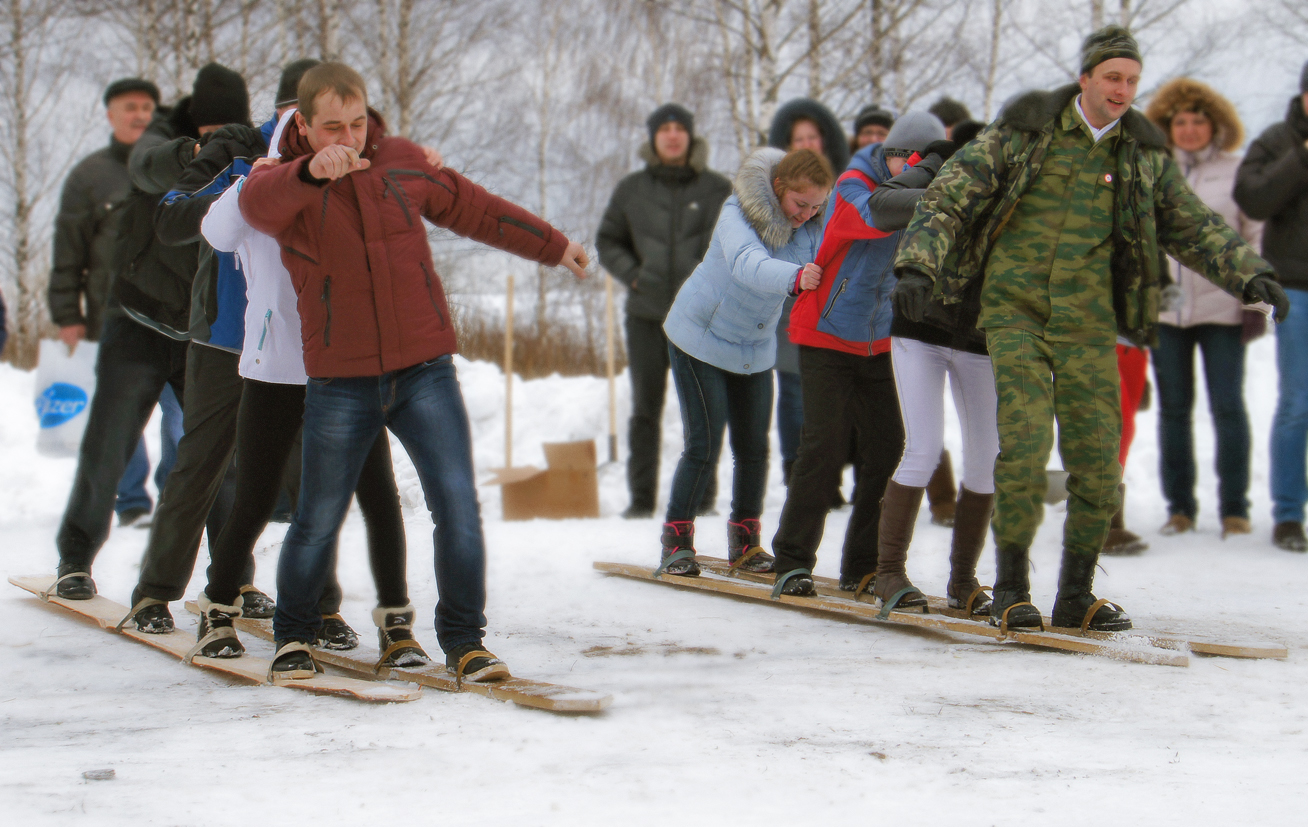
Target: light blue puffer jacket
{"x":727,"y":311}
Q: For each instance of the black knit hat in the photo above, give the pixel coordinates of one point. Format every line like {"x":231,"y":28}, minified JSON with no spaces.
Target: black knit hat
{"x":670,"y":112}
{"x":288,"y":87}
{"x":949,"y":111}
{"x":1106,"y":44}
{"x":124,"y":85}
{"x":219,"y":97}
{"x":873,"y":114}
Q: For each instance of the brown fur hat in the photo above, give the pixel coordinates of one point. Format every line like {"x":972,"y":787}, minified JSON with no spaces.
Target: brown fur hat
{"x":1186,"y":95}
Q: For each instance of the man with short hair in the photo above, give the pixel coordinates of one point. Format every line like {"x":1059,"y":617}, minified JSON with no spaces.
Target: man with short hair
{"x":1058,"y":214}
{"x":347,"y":204}
{"x":655,"y":231}
{"x":86,"y":231}
{"x":1272,"y":186}
{"x":951,"y":113}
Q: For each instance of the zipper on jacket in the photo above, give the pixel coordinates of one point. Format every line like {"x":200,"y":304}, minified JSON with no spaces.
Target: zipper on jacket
{"x":327,"y":301}
{"x":400,"y":198}
{"x":426,"y":274}
{"x":417,"y":173}
{"x":522,"y":225}
{"x":296,"y":252}
{"x":831,"y":305}
{"x":267,"y":320}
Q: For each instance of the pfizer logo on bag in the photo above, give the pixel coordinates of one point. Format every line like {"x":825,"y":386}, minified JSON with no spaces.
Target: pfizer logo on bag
{"x":65,"y":384}
{"x":59,"y":403}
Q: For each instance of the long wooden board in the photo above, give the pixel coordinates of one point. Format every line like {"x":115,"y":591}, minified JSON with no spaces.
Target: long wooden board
{"x":830,"y":587}
{"x":535,"y":694}
{"x":107,"y":614}
{"x":1136,"y":651}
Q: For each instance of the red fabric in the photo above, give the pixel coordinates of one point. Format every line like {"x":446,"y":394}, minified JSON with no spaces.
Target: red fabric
{"x":1133,"y":365}
{"x":357,"y":251}
{"x":845,"y":226}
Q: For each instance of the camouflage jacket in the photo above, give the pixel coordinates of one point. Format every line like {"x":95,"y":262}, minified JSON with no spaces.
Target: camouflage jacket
{"x":966,"y":207}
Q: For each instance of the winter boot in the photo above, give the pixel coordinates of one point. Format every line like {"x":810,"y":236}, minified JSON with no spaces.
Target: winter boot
{"x":1011,"y":607}
{"x":72,"y":582}
{"x":335,"y":633}
{"x":150,"y":616}
{"x":294,"y":661}
{"x":971,"y":524}
{"x":216,"y":637}
{"x":1120,"y":542}
{"x":1075,"y":601}
{"x":941,"y":492}
{"x":861,"y":585}
{"x":678,"y":550}
{"x":255,"y":604}
{"x":470,"y":662}
{"x":899,"y":507}
{"x":395,"y":638}
{"x":1288,"y":536}
{"x":745,"y":547}
{"x":795,"y":583}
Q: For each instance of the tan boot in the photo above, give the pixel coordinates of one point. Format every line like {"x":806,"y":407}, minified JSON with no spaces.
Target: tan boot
{"x":1120,"y":542}
{"x":899,"y":509}
{"x":941,"y":492}
{"x":1176,"y":524}
{"x":1236,"y":525}
{"x":971,"y":523}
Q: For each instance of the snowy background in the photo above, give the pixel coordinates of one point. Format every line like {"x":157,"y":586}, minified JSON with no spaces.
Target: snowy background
{"x":723,"y":712}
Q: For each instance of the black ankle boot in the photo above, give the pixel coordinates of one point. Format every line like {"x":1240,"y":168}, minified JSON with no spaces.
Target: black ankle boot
{"x":1013,"y":587}
{"x":1075,"y":598}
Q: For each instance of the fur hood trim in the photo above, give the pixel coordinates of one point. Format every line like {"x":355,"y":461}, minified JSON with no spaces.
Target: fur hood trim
{"x":1033,"y":111}
{"x":753,"y":188}
{"x":1186,"y":95}
{"x":699,"y":152}
{"x":835,"y":143}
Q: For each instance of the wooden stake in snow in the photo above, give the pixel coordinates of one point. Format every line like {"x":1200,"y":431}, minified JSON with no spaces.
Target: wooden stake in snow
{"x":508,"y":377}
{"x":609,"y":365}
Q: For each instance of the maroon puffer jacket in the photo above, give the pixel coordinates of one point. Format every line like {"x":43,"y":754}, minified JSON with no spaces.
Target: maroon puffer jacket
{"x":369,"y":298}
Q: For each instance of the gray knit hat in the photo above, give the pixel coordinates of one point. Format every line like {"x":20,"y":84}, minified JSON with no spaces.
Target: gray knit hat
{"x":911,"y":133}
{"x":1106,"y":44}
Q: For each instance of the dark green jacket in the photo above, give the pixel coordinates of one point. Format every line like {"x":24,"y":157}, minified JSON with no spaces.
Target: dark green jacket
{"x":967,"y":205}
{"x":86,"y":231}
{"x":657,"y":226}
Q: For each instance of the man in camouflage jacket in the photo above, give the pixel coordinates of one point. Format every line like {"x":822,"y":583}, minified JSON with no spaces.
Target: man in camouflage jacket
{"x":1064,"y":208}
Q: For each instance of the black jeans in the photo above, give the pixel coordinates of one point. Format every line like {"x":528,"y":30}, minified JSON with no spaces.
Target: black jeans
{"x":844,"y":393}
{"x":268,"y":439}
{"x":712,"y":398}
{"x":201,"y":486}
{"x":134,"y":364}
{"x":647,"y":365}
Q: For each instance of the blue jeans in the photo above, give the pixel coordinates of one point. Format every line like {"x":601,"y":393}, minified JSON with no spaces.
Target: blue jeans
{"x":423,"y":406}
{"x":131,"y":488}
{"x":713,"y":399}
{"x":790,"y":413}
{"x":1289,"y":442}
{"x":1223,"y":357}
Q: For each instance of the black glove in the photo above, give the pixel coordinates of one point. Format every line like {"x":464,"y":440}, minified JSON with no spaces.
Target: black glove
{"x":238,"y":133}
{"x":1263,"y":288}
{"x":945,"y":149}
{"x":912,"y":295}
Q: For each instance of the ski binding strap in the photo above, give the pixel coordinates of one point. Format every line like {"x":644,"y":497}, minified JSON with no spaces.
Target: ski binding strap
{"x":131,"y":613}
{"x":744,"y":558}
{"x":1090,"y":613}
{"x":680,"y":554}
{"x":781,"y":581}
{"x":52,"y":591}
{"x":889,"y":605}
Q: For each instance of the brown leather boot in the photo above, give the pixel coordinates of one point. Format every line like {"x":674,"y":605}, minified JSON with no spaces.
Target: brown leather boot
{"x":1120,"y":542}
{"x":941,"y":492}
{"x":899,"y":507}
{"x":971,"y":523}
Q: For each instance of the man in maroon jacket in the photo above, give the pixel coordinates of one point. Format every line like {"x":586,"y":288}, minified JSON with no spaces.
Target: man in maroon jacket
{"x":346,"y":203}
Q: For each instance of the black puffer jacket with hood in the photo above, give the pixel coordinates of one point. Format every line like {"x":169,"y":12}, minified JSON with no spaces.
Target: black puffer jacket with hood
{"x":1272,"y":186}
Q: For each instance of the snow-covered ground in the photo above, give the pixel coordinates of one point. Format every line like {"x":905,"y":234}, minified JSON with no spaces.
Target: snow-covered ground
{"x":724,"y":712}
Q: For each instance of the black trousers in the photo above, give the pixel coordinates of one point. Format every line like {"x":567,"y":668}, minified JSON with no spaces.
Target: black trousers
{"x":200,"y":476}
{"x":268,"y":442}
{"x":647,"y":365}
{"x":134,"y":364}
{"x":844,"y":393}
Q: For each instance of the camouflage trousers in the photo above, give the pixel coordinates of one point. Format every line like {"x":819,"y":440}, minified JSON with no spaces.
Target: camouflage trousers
{"x":1038,"y":382}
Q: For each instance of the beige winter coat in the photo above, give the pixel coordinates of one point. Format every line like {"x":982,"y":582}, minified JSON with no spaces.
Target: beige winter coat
{"x":1211,"y":174}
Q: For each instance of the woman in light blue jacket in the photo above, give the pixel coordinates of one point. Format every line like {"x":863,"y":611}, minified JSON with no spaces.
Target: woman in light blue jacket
{"x":721,"y":334}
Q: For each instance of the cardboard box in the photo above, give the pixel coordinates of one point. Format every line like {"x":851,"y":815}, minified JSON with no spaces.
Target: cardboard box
{"x":568,"y":487}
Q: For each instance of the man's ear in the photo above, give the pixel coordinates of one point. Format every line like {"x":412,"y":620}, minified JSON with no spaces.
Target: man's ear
{"x":300,"y":123}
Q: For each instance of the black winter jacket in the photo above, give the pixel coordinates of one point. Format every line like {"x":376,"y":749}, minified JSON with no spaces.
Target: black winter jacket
{"x":835,"y":144}
{"x":1272,"y":186}
{"x":86,"y":232}
{"x":657,"y":227}
{"x":152,"y":281}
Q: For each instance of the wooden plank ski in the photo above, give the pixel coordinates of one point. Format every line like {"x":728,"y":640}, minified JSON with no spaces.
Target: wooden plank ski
{"x":535,"y":694}
{"x":107,"y":613}
{"x":830,"y":587}
{"x":844,"y":608}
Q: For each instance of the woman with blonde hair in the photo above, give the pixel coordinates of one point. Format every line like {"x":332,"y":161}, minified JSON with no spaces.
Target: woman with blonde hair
{"x":1203,"y":132}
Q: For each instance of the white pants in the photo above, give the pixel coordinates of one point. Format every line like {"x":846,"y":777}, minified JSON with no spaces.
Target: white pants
{"x":920,"y":378}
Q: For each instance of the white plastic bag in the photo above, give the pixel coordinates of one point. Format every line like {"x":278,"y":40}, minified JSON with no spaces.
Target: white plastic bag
{"x":64,"y":386}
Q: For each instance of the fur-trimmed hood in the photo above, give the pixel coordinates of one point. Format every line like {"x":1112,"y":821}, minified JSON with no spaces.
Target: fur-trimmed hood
{"x":835,"y":143}
{"x":759,"y":202}
{"x":699,"y":153}
{"x":1186,"y":95}
{"x":1033,"y":111}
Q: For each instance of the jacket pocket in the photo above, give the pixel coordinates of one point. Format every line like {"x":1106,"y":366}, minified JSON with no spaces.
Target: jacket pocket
{"x":327,"y":305}
{"x":400,"y":198}
{"x":431,"y":295}
{"x":831,"y":305}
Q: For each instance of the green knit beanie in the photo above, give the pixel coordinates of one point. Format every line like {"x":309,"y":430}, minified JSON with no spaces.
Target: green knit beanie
{"x":1106,"y":44}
